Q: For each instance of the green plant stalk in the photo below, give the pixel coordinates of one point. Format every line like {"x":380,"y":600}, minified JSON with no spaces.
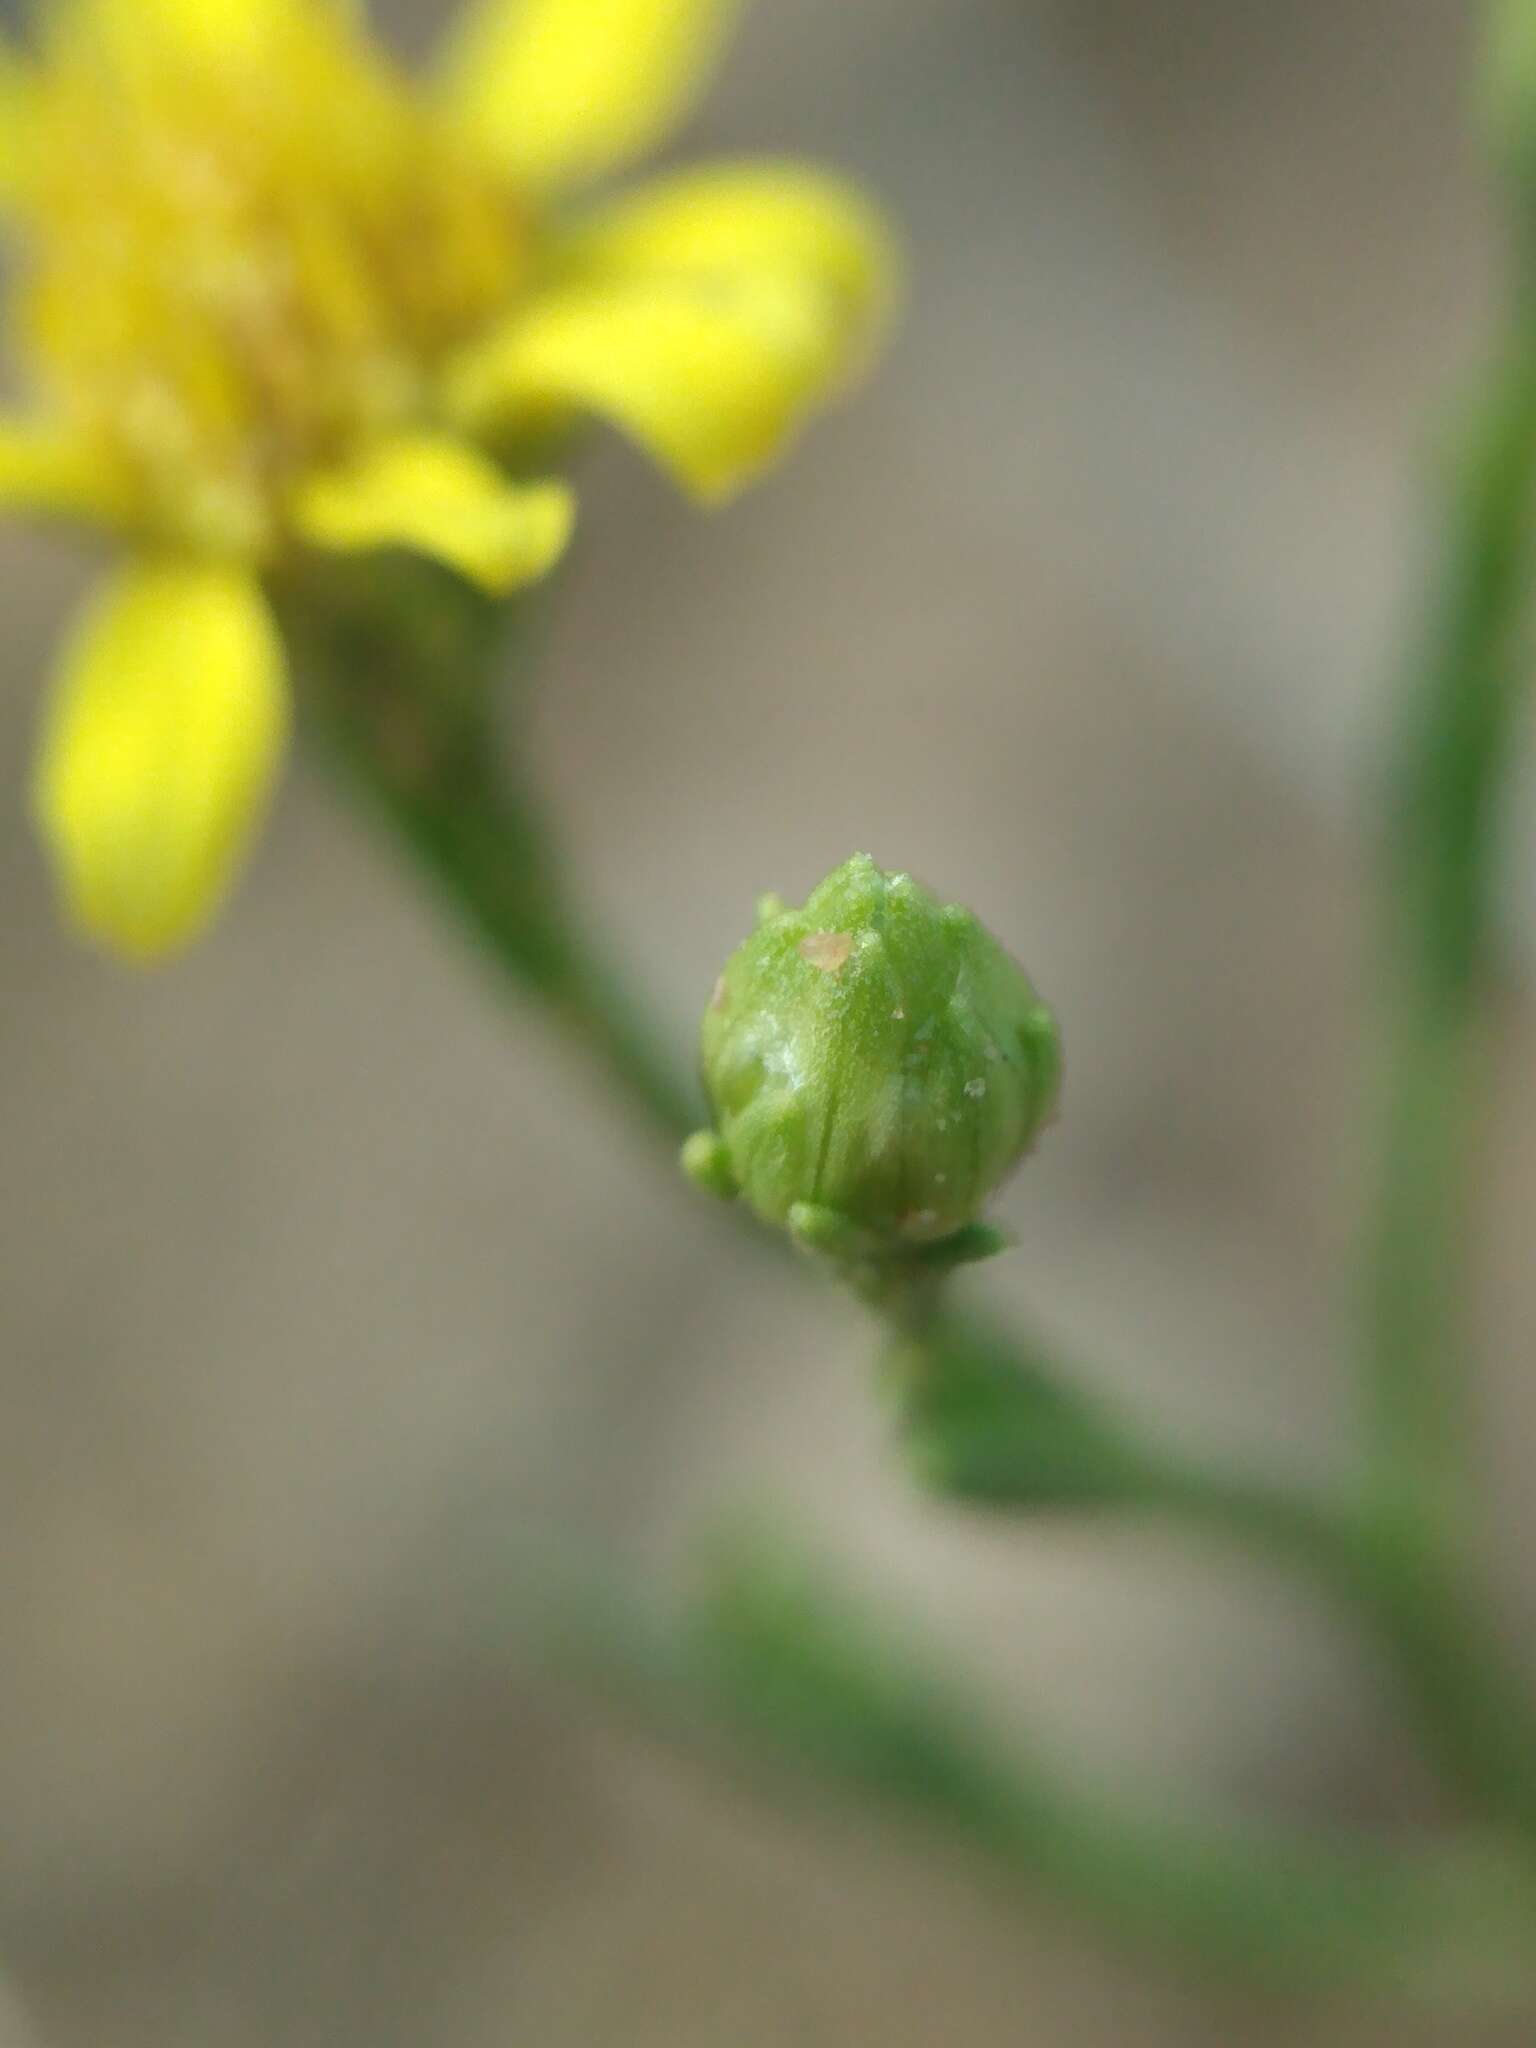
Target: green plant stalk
{"x":992,"y":1424}
{"x":1450,"y":773}
{"x":775,"y":1655}
{"x":989,"y":1424}
{"x":398,"y":695}
{"x":396,"y":690}
{"x":1451,"y":760}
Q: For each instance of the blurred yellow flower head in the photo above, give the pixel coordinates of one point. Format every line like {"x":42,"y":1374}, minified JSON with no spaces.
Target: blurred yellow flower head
{"x":270,"y":296}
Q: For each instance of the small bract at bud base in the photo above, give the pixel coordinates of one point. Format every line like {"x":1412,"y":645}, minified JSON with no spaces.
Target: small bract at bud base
{"x":877,"y":1065}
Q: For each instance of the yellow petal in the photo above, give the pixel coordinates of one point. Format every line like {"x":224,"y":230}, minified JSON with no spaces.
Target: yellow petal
{"x":17,"y":118}
{"x":554,"y":91}
{"x":147,"y":49}
{"x":159,"y":748}
{"x":432,"y":494}
{"x":711,"y":381}
{"x":218,"y":23}
{"x":44,"y":469}
{"x":217,"y":27}
{"x":737,"y":220}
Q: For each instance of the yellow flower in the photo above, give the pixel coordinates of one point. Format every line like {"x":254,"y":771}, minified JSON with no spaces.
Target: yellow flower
{"x":270,"y":297}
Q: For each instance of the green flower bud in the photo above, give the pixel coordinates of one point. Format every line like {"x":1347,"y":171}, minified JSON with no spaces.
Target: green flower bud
{"x":877,"y":1065}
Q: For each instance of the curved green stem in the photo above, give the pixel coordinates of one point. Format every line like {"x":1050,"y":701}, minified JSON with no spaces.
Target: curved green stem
{"x":775,"y":1653}
{"x":396,"y":692}
{"x":396,"y":687}
{"x":993,"y":1425}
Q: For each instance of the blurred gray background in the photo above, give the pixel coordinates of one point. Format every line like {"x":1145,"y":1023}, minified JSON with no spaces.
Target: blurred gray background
{"x":335,"y":1301}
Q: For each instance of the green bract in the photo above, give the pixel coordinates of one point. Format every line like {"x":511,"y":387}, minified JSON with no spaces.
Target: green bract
{"x":877,"y":1065}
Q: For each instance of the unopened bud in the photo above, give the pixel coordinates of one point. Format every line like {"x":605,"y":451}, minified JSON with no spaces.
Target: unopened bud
{"x":877,"y":1066}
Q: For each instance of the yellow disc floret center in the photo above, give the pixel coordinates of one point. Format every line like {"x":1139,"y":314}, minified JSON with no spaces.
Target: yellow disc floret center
{"x":242,"y":262}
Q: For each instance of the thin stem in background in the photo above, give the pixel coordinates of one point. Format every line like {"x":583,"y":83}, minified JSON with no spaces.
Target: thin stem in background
{"x":1451,"y":763}
{"x":1451,"y":770}
{"x":779,"y":1657}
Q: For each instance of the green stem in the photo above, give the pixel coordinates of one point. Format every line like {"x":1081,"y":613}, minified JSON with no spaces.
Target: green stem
{"x":1452,"y":759}
{"x":777,"y":1654}
{"x":1451,"y":766}
{"x":990,"y":1422}
{"x":1472,"y":1702}
{"x":397,"y":693}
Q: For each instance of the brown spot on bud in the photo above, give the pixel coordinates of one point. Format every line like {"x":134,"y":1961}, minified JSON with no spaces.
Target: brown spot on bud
{"x":717,"y":1000}
{"x":830,"y":951}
